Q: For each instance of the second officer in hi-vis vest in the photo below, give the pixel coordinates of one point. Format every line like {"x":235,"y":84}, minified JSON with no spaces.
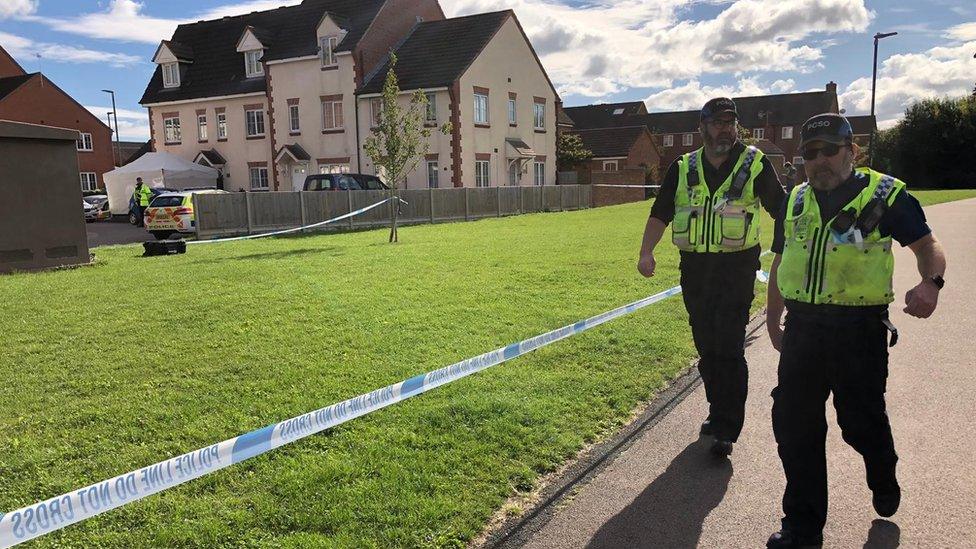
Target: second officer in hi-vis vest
{"x":833,"y":272}
{"x":712,"y":198}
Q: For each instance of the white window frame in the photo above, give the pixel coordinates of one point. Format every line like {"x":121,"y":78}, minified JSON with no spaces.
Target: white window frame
{"x":787,"y":132}
{"x":258,"y":122}
{"x":252,"y":63}
{"x":759,"y":133}
{"x":512,"y":112}
{"x":375,"y":110}
{"x":668,"y":140}
{"x":332,"y":113}
{"x":89,"y":181}
{"x":171,"y":75}
{"x":539,"y":172}
{"x":431,"y":114}
{"x":327,"y":46}
{"x":221,"y":125}
{"x":255,"y":174}
{"x":202,"y":134}
{"x":432,"y":174}
{"x":171,"y":131}
{"x":607,"y":164}
{"x":294,"y":119}
{"x":539,"y":116}
{"x":798,"y":161}
{"x":482,"y":173}
{"x":687,"y":139}
{"x":481,"y":109}
{"x":84,"y":142}
{"x":334,"y":168}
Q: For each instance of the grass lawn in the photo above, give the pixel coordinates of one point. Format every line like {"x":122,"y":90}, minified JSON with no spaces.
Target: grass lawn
{"x":928,"y":198}
{"x":114,"y":367}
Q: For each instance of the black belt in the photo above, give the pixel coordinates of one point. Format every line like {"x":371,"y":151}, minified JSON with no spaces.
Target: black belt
{"x":833,"y":314}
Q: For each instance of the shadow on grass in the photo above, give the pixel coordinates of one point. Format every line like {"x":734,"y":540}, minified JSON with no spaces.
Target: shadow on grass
{"x":671,"y":510}
{"x":291,"y":254}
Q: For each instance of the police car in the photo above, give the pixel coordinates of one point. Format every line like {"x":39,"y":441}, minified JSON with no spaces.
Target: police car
{"x":171,"y":213}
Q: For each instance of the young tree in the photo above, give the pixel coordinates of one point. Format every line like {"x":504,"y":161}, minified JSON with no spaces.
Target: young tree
{"x":400,"y":140}
{"x":570,"y":151}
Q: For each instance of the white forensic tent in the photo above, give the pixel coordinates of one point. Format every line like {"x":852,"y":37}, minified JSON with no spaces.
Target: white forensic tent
{"x":157,"y":169}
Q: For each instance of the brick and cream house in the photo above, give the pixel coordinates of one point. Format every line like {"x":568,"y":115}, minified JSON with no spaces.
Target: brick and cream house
{"x":270,"y":97}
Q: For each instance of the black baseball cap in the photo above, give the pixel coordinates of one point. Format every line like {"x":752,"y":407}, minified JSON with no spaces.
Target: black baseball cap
{"x":716,"y":106}
{"x":828,"y":127}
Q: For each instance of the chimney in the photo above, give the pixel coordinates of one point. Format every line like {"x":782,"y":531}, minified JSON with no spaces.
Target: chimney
{"x":832,"y":87}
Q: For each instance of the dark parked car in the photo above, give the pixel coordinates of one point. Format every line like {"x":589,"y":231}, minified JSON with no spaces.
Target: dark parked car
{"x":343,"y":182}
{"x":133,"y":216}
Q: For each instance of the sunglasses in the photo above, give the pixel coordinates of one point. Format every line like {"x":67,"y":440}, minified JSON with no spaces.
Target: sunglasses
{"x":720,"y":123}
{"x":828,"y":150}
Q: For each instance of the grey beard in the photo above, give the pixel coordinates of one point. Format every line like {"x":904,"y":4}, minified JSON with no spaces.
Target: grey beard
{"x":722,"y":149}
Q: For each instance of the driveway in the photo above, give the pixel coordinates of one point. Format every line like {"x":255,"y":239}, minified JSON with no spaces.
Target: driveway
{"x":107,"y":233}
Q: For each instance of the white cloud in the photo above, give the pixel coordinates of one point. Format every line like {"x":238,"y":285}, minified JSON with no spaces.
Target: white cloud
{"x":964,"y":32}
{"x":693,"y":95}
{"x":18,"y":46}
{"x":124,"y":20}
{"x":13,"y":8}
{"x":905,"y":78}
{"x":783,"y":86}
{"x":133,"y":125}
{"x":650,"y":46}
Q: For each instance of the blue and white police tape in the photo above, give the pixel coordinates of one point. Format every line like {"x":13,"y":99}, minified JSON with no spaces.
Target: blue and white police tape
{"x":60,"y":511}
{"x":626,"y":186}
{"x":302,"y":228}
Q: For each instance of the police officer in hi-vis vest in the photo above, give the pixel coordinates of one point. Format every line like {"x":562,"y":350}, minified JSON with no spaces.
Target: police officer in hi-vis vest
{"x":833,"y":269}
{"x":712,"y":198}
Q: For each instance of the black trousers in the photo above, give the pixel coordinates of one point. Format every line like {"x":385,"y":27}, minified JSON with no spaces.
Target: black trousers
{"x":847,"y":356}
{"x":718,"y":290}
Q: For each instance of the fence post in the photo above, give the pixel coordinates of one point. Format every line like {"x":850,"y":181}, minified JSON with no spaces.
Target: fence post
{"x":432,"y":205}
{"x":562,"y":191}
{"x":247,"y":205}
{"x":521,"y":199}
{"x":301,"y":202}
{"x":349,"y":202}
{"x":498,"y":199}
{"x":466,"y":208}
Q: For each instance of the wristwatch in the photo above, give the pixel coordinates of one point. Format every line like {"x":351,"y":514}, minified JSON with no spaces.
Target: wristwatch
{"x":937,"y":280}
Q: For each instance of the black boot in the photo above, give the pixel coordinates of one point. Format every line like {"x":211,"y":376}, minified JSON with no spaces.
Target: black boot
{"x":786,"y":539}
{"x":721,"y":448}
{"x":886,"y":501}
{"x":706,"y":428}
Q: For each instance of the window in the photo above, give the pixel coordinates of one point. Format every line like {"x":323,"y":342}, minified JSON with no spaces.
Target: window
{"x":171,"y":75}
{"x":618,"y":111}
{"x":432,"y":174}
{"x":293,"y":122}
{"x":259,"y":179}
{"x":609,"y":165}
{"x":481,"y":173}
{"x":540,"y":116}
{"x":255,"y":123}
{"x":333,"y":168}
{"x":759,"y":133}
{"x":172,"y":130}
{"x":221,"y":125}
{"x":668,"y":140}
{"x":431,"y":107}
{"x":332,"y":115}
{"x":252,"y":63}
{"x":375,"y":110}
{"x":327,"y":46}
{"x":84,"y":142}
{"x":688,"y":139}
{"x":540,"y":173}
{"x":89,"y":181}
{"x":787,"y":132}
{"x":202,"y":127}
{"x":480,"y":108}
{"x":797,"y":160}
{"x":511,"y":112}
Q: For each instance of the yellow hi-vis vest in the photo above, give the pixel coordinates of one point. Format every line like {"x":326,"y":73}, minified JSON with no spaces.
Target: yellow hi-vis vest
{"x":142,"y":196}
{"x":726,"y":221}
{"x":845,"y":261}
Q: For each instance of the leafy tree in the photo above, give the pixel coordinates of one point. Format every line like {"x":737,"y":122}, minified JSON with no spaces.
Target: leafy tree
{"x":570,"y":151}
{"x":401,"y":139}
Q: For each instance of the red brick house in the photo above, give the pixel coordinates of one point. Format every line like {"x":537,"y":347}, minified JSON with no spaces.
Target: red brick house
{"x":618,"y":150}
{"x":34,"y":99}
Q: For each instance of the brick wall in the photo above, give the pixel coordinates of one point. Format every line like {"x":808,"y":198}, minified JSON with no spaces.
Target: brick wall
{"x":39,"y":101}
{"x":392,"y":23}
{"x":608,"y":196}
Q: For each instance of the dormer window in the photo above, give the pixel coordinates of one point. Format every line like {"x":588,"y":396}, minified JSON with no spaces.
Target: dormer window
{"x":171,"y":75}
{"x":252,"y":63}
{"x":618,"y":111}
{"x":327,"y":46}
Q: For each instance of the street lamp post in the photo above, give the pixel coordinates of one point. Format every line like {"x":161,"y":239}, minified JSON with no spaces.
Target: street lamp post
{"x":118,"y":145}
{"x":874,"y":84}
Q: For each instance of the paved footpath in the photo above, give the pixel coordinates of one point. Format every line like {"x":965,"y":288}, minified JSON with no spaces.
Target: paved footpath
{"x":665,"y":491}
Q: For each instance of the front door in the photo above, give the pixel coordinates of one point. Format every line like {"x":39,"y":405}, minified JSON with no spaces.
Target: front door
{"x":298,"y":173}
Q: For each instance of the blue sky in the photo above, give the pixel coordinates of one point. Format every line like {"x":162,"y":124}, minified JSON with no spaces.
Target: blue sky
{"x":673,"y":54}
